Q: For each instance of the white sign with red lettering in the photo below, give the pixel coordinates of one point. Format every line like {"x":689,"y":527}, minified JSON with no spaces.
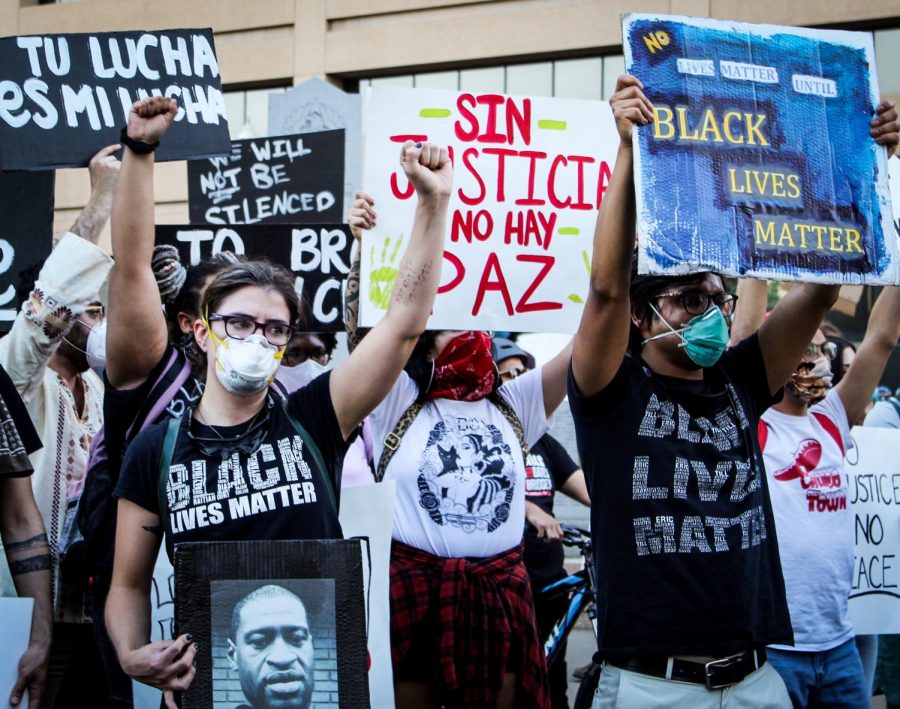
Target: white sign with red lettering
{"x":529,"y":176}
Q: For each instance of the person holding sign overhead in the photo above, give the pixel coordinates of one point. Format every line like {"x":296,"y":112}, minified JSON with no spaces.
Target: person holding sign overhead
{"x":804,"y":438}
{"x":690,"y":583}
{"x":282,"y":454}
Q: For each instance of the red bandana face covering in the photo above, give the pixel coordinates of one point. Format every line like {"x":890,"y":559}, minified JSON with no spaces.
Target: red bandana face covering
{"x":464,"y":370}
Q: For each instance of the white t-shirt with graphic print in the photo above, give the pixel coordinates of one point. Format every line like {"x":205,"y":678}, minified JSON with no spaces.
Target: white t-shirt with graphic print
{"x":459,"y":469}
{"x":804,"y":457}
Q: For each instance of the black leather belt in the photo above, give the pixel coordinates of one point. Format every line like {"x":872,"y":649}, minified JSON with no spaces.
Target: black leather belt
{"x":715,"y":674}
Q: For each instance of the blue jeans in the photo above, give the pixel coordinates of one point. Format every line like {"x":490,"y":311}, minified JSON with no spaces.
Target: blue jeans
{"x":831,"y":678}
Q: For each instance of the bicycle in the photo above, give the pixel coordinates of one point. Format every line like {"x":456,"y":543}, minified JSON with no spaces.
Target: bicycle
{"x":580,"y":590}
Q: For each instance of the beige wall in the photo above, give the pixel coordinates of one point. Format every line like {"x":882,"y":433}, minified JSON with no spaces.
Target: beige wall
{"x":273,"y":41}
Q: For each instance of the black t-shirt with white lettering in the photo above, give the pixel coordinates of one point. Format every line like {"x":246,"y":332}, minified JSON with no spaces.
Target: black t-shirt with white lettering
{"x":686,"y":554}
{"x":269,"y":488}
{"x":546,"y":470}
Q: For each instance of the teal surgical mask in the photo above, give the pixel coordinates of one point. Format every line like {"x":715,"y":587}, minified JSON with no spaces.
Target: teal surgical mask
{"x":704,"y":338}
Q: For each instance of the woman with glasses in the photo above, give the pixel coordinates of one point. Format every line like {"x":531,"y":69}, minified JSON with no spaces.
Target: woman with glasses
{"x":241,"y":463}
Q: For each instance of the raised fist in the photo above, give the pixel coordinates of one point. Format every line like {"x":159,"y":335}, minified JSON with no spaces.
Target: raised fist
{"x":150,"y":119}
{"x":428,"y":168}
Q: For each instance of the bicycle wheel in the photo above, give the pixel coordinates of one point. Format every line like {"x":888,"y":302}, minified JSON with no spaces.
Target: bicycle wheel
{"x":586,"y":689}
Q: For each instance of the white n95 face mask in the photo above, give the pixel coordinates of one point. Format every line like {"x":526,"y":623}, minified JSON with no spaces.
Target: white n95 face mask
{"x":95,"y":349}
{"x":246,"y":366}
{"x":297,"y":377}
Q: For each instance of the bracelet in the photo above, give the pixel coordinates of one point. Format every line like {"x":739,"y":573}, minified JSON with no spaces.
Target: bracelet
{"x":137,"y":146}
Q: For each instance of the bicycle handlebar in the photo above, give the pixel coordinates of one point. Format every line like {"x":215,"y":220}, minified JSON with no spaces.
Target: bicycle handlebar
{"x":575,"y":536}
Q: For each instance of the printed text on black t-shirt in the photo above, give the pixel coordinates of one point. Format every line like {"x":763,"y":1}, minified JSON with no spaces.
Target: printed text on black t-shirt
{"x":241,"y":491}
{"x":734,"y":479}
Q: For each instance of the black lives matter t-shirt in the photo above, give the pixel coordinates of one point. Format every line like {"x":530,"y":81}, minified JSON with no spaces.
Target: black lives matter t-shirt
{"x":546,"y":470}
{"x":276,"y":492}
{"x":686,"y":555}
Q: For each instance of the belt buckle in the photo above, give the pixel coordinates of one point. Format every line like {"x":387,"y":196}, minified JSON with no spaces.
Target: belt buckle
{"x":723,"y":663}
{"x":392,"y":441}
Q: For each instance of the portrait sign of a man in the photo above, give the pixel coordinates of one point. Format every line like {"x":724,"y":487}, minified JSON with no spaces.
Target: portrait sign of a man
{"x":271,"y":646}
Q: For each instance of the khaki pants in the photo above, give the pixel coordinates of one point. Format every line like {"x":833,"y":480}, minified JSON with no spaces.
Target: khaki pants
{"x":623,"y":689}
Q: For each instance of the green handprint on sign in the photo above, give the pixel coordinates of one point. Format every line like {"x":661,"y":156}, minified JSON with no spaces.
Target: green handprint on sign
{"x":382,"y":276}
{"x":574,"y":297}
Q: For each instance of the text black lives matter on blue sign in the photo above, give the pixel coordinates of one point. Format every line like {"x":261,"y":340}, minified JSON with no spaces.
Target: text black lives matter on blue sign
{"x":289,"y":178}
{"x":26,"y":236}
{"x":317,"y":254}
{"x":63,"y":97}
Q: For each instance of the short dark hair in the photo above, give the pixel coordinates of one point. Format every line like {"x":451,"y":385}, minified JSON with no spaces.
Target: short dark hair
{"x":643,"y":291}
{"x":260,"y":273}
{"x":262,"y":593}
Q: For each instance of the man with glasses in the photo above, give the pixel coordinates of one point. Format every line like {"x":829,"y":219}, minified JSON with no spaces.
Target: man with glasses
{"x":690,"y":589}
{"x":55,"y":340}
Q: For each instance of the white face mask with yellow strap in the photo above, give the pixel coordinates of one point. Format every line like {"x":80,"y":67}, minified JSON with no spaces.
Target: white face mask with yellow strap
{"x":245,"y":366}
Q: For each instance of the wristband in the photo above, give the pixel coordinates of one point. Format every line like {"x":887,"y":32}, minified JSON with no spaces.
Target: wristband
{"x":137,"y":146}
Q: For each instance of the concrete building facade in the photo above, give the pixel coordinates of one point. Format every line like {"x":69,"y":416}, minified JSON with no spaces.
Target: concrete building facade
{"x":556,"y":47}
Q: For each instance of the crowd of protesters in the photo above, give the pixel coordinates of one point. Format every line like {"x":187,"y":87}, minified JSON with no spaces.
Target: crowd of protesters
{"x":711,"y":437}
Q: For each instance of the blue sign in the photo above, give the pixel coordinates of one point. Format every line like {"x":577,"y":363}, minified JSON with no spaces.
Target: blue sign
{"x":759,"y":160}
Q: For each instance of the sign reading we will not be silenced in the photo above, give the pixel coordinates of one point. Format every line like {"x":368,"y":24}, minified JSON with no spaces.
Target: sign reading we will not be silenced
{"x":759,"y":160}
{"x":529,"y":176}
{"x":318,"y":256}
{"x":874,"y":474}
{"x":288,"y":178}
{"x":63,"y":97}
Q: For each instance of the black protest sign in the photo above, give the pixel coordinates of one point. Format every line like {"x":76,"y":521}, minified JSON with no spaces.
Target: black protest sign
{"x":26,"y":236}
{"x":65,"y":96}
{"x":318,"y":255}
{"x":286,"y":179}
{"x":226,"y":596}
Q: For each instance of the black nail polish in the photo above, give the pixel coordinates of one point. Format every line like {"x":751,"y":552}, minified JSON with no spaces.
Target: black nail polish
{"x":189,"y":637}
{"x":418,"y":145}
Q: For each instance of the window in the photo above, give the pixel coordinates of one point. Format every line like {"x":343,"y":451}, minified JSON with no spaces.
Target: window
{"x":446,"y":80}
{"x":579,"y":78}
{"x":488,"y":80}
{"x":534,"y":79}
{"x":591,"y":78}
{"x":405,"y":80}
{"x":248,"y":112}
{"x":887,"y":60}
